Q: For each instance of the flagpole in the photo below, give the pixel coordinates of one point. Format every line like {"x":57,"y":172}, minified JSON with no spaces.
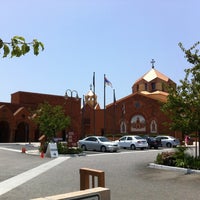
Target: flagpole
{"x":94,"y":101}
{"x":83,"y":116}
{"x":104,"y":130}
{"x":114,"y":117}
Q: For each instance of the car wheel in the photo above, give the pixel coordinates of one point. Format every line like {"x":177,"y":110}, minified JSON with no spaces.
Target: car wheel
{"x":103,"y":149}
{"x":83,"y":147}
{"x":132,"y":147}
{"x":169,"y":145}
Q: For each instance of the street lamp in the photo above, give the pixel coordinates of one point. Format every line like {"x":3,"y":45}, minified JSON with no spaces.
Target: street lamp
{"x":72,"y":96}
{"x":70,"y":93}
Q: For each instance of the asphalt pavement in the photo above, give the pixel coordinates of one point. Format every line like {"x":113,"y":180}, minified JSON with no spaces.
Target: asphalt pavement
{"x":25,"y":176}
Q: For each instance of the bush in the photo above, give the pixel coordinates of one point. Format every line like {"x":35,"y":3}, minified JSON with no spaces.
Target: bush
{"x":64,"y":149}
{"x":166,"y":158}
{"x":179,"y":158}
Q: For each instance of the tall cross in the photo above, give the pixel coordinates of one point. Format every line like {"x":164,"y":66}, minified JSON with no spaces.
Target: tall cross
{"x":152,"y":62}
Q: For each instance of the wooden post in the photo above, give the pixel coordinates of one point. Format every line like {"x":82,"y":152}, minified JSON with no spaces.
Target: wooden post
{"x":42,"y":141}
{"x":85,"y":174}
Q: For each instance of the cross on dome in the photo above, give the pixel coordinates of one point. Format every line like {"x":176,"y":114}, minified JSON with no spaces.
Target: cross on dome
{"x":152,"y":62}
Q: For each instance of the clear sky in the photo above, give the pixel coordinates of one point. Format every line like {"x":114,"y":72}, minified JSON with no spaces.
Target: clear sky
{"x":113,"y":37}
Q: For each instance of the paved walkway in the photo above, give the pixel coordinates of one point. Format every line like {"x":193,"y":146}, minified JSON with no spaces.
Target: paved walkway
{"x":29,"y":173}
{"x":11,"y":183}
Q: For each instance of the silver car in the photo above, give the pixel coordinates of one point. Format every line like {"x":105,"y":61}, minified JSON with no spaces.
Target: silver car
{"x":98,"y":143}
{"x":133,"y":142}
{"x":168,"y":141}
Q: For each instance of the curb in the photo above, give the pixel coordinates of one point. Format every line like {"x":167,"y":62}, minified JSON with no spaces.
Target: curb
{"x":165,"y":167}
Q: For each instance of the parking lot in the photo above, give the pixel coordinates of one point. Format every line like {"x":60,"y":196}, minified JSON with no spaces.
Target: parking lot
{"x":126,"y":174}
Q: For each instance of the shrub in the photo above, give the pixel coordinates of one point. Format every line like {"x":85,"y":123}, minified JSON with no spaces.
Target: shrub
{"x":179,"y":158}
{"x":64,"y":149}
{"x":166,"y":158}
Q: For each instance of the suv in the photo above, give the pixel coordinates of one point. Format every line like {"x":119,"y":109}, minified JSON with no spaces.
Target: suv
{"x":153,"y":142}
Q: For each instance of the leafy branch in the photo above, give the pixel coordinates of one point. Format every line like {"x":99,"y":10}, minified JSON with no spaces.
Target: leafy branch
{"x":19,"y":47}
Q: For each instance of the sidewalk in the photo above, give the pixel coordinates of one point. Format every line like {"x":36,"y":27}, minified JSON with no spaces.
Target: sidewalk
{"x":18,"y":147}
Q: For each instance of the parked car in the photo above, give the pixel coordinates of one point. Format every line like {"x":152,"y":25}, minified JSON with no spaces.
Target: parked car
{"x":98,"y":143}
{"x":153,"y":142}
{"x":133,"y":142}
{"x":168,"y":141}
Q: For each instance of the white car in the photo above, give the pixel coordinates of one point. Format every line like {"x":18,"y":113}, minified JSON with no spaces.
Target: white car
{"x":133,"y":142}
{"x":168,"y":141}
{"x":98,"y":143}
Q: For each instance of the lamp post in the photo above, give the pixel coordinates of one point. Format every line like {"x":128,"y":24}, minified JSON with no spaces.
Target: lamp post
{"x":72,"y":95}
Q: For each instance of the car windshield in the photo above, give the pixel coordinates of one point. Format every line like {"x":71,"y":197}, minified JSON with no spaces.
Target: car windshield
{"x":104,"y":139}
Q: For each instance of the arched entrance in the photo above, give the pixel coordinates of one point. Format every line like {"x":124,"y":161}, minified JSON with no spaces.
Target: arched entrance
{"x":4,"y":131}
{"x":37,"y":135}
{"x":22,"y":132}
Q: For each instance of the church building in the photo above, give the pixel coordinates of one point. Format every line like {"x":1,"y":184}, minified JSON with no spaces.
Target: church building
{"x":138,"y":113}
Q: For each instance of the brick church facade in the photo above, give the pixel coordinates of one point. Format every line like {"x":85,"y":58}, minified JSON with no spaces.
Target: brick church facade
{"x":137,"y":113}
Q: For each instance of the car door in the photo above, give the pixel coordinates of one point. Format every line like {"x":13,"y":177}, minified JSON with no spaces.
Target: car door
{"x":129,"y":142}
{"x":95,"y":144}
{"x":122,"y":142}
{"x":91,"y":143}
{"x":164,"y":140}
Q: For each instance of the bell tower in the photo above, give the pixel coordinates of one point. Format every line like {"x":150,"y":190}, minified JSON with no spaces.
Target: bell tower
{"x":91,"y":98}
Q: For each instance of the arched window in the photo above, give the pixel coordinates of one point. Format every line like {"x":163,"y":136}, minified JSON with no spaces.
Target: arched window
{"x":153,"y":86}
{"x":123,"y":127}
{"x":153,"y":126}
{"x":145,"y":87}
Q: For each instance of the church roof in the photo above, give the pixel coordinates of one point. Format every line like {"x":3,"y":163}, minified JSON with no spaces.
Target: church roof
{"x":153,"y":74}
{"x":157,"y":95}
{"x":90,"y":93}
{"x":91,"y":100}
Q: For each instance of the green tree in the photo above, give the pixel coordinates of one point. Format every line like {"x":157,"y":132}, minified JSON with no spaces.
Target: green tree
{"x":50,"y":119}
{"x":18,"y":47}
{"x":183,"y":105}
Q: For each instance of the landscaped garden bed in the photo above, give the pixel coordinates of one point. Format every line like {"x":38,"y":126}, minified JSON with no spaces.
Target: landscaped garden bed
{"x":178,"y":158}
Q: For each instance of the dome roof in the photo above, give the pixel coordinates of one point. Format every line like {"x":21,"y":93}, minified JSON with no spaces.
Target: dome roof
{"x":153,"y":74}
{"x":153,"y":81}
{"x":90,"y":93}
{"x":91,"y":100}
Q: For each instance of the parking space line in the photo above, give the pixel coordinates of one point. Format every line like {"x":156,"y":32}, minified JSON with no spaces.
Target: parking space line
{"x":11,"y":183}
{"x":9,"y":149}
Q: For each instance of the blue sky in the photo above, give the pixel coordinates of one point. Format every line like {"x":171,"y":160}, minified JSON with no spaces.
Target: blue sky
{"x":113,"y":37}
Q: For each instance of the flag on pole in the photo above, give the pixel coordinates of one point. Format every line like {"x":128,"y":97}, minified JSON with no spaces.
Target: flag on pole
{"x":93,"y":79}
{"x":107,"y":82}
{"x":83,"y":102}
{"x":114,"y":97}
